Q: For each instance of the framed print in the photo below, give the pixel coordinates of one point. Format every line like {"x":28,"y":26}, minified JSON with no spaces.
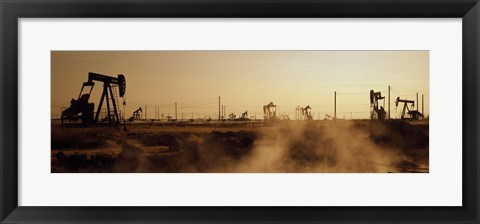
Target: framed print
{"x":234,"y":133}
{"x":224,"y":111}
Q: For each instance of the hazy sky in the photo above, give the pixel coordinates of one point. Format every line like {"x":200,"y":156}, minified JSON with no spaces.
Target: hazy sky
{"x":246,"y":80}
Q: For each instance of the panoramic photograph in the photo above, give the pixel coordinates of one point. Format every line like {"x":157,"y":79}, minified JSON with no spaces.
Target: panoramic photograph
{"x":240,"y":111}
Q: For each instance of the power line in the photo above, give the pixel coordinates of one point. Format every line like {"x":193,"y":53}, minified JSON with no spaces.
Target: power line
{"x":347,"y":112}
{"x":201,"y":104}
{"x":338,"y":93}
{"x":229,"y":105}
{"x":346,"y":105}
{"x":403,"y":94}
{"x":407,"y":88}
{"x":215,"y":99}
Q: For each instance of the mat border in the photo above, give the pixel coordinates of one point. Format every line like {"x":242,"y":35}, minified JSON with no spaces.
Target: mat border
{"x":11,"y":11}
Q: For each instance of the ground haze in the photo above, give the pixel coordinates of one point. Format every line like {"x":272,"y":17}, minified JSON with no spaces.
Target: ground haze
{"x":340,"y":146}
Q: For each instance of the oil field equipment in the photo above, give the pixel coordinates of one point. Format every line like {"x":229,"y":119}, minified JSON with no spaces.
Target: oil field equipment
{"x":307,"y":113}
{"x":414,"y":114}
{"x":80,"y":109}
{"x":284,"y":117}
{"x":81,"y":105}
{"x":376,"y":112}
{"x":269,"y":111}
{"x":136,"y":115}
{"x":244,"y":117}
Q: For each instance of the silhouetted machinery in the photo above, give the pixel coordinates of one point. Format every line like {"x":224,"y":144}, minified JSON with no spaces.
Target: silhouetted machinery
{"x":136,"y":115}
{"x":284,"y":117}
{"x":269,"y":111}
{"x":376,"y":112}
{"x":83,"y":107}
{"x":80,"y":109}
{"x":307,"y":113}
{"x":414,"y":114}
{"x":244,"y":117}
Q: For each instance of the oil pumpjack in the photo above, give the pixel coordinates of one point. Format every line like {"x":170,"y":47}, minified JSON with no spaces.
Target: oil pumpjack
{"x":86,"y":109}
{"x":136,"y":115}
{"x":307,"y":113}
{"x":269,"y":113}
{"x":376,"y":112}
{"x":414,"y":114}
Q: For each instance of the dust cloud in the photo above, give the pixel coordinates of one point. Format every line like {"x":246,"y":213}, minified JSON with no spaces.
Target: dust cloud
{"x":283,"y":147}
{"x":332,"y":148}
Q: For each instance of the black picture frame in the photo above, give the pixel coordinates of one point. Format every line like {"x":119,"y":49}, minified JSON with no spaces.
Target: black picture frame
{"x":11,"y":11}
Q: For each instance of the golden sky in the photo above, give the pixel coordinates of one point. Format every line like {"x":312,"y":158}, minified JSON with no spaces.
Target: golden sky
{"x":246,"y":80}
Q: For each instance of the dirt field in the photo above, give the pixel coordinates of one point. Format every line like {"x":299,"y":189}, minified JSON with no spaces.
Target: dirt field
{"x":284,"y":147}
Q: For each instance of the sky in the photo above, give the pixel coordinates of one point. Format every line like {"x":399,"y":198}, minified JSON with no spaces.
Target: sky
{"x":246,"y":80}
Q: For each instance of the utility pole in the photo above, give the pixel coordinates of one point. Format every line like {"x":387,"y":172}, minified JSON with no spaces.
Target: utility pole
{"x":145,"y":112}
{"x":124,"y":112}
{"x":176,"y":118}
{"x":422,"y":106}
{"x":296,"y":113}
{"x":417,"y":101}
{"x":388,"y":102}
{"x":335,"y":105}
{"x":219,"y":109}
